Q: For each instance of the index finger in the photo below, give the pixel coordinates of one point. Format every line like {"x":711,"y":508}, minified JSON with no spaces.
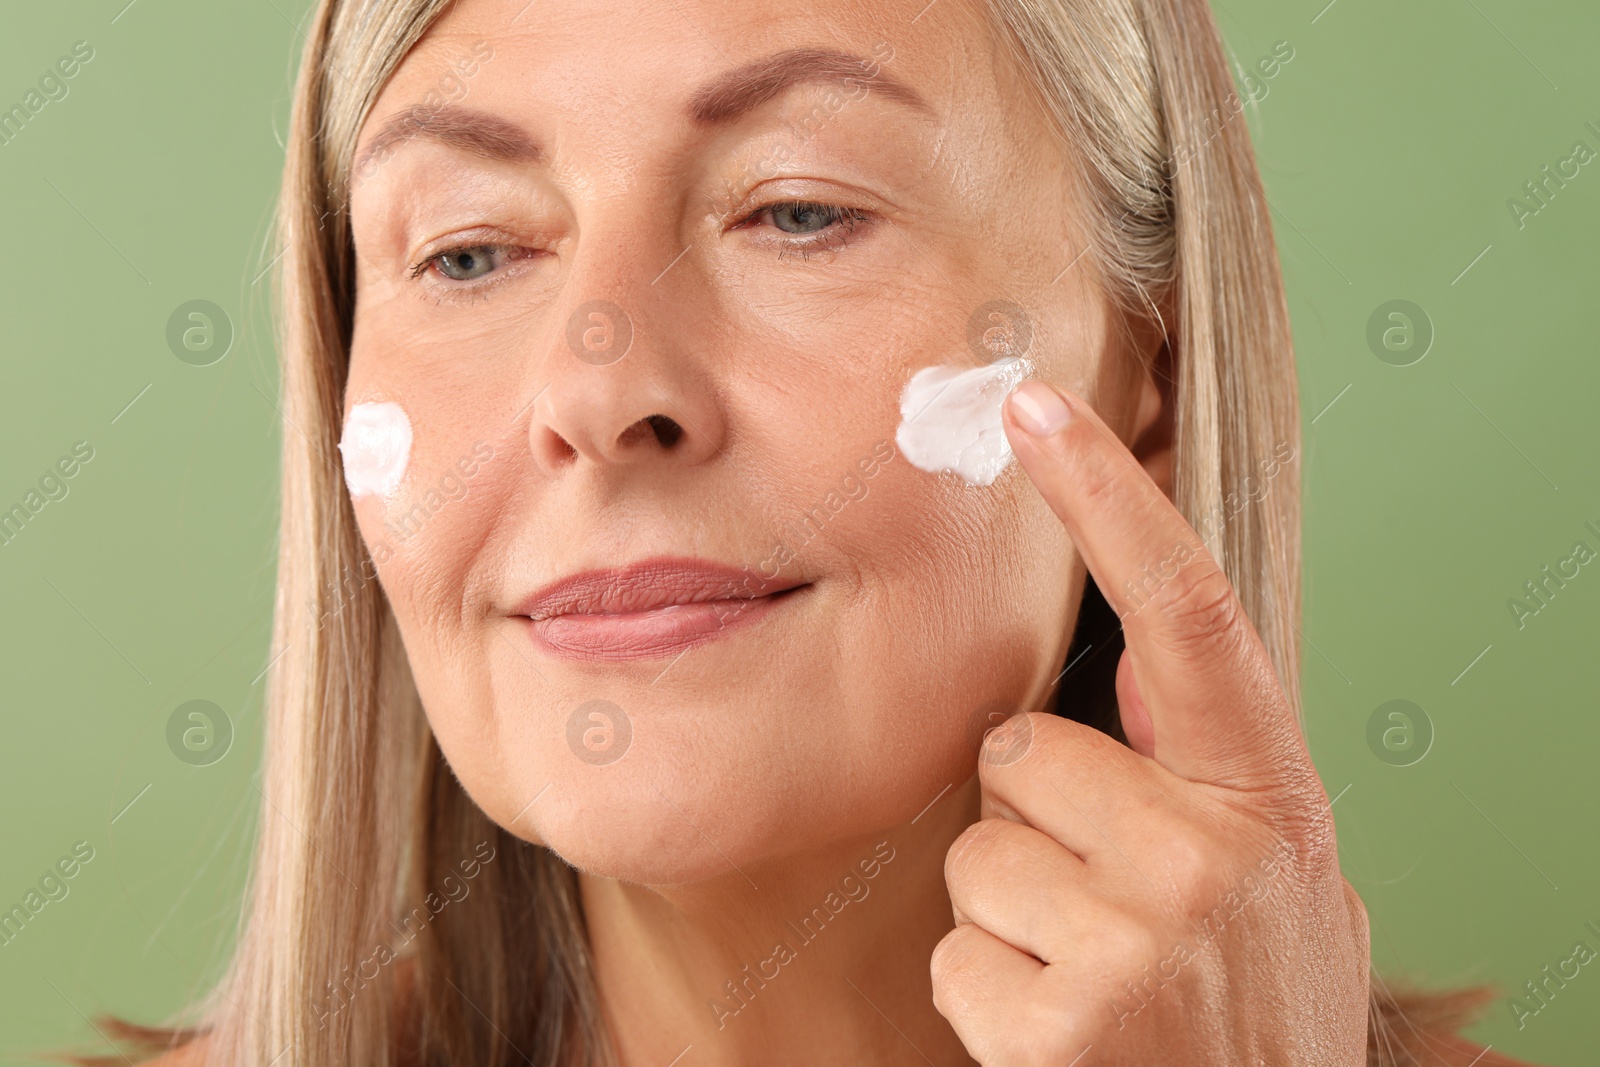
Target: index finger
{"x":1219,"y":712}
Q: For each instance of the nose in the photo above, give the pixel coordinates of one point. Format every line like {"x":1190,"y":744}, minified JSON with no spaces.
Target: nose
{"x":623,"y":386}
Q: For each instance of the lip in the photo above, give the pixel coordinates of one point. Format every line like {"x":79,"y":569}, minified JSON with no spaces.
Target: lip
{"x":649,"y":609}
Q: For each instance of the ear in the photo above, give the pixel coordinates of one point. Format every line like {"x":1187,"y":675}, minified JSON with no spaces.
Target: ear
{"x":1155,"y":424}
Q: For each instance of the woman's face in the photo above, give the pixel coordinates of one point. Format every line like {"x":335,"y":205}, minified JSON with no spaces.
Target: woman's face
{"x":648,"y":284}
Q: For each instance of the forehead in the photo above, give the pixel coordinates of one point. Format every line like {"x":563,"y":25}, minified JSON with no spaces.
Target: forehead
{"x":626,"y":64}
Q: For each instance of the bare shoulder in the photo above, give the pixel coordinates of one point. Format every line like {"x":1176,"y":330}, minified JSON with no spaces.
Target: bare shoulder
{"x":189,"y":1054}
{"x":195,"y":1052}
{"x":1411,"y":1026}
{"x":1450,"y":1051}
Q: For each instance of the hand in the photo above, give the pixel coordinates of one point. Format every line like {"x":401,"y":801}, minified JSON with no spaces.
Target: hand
{"x":1177,"y":902}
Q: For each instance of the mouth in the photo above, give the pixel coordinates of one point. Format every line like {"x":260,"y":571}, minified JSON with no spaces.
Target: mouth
{"x":651,"y":609}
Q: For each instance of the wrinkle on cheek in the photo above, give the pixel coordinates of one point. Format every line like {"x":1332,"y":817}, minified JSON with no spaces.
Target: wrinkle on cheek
{"x":446,"y":643}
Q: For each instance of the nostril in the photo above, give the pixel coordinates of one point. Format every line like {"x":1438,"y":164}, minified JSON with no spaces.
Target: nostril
{"x":667,"y":431}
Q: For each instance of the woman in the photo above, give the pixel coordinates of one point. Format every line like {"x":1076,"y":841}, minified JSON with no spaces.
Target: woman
{"x":655,"y":684}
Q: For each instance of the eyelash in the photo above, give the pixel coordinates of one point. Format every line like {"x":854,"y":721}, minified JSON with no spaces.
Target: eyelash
{"x":512,"y":252}
{"x":844,"y":221}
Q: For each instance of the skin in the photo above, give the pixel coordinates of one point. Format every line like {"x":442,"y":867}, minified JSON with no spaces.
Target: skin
{"x":1009,"y":899}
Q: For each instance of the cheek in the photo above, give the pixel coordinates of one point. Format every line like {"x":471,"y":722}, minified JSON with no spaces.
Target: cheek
{"x":428,"y":571}
{"x":950,"y":419}
{"x":959,"y":596}
{"x":984,"y":559}
{"x":435,"y":498}
{"x":375,"y":448}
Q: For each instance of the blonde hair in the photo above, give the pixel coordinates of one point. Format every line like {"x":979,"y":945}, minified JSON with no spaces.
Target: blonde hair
{"x":360,"y":816}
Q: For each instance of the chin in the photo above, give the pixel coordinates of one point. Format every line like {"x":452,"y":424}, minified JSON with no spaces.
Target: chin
{"x":653,"y":827}
{"x":714,"y":779}
{"x":679,"y":818}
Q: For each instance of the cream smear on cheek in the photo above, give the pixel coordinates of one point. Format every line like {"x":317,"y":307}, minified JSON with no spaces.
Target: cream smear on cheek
{"x":375,"y":447}
{"x":950,"y":419}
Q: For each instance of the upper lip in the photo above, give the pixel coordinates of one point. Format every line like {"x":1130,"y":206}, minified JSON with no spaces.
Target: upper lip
{"x":647,"y":585}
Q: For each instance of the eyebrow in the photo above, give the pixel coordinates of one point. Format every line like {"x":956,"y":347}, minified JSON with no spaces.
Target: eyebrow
{"x":737,"y":91}
{"x":476,"y":132}
{"x":725,"y":98}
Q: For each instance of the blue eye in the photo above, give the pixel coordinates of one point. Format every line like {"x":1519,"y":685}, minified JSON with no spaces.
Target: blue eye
{"x":465,"y":264}
{"x":801,"y":217}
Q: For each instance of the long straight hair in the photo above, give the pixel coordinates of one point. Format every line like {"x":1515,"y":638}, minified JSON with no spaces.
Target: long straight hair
{"x":338,"y":962}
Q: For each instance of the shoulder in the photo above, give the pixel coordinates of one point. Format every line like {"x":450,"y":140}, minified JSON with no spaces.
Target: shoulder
{"x":195,"y":1052}
{"x":1448,"y":1050}
{"x":1410,"y":1026}
{"x":190,"y":1054}
{"x":166,"y":1046}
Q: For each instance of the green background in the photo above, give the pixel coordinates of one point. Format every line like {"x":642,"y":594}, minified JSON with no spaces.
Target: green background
{"x":1389,"y":146}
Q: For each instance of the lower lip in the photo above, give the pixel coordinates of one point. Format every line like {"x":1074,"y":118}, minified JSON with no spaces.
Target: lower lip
{"x":656,"y":634}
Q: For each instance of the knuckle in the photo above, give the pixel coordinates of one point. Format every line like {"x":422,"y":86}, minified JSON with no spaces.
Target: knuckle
{"x":1007,"y":745}
{"x":1051,"y":1031}
{"x":952,"y":968}
{"x":1099,"y":480}
{"x":1360,"y":921}
{"x":996,"y":861}
{"x":968,"y":854}
{"x":1189,"y":865}
{"x":1358,"y":907}
{"x":1128,"y":944}
{"x":1315,"y":838}
{"x":1202,"y":609}
{"x":1031,"y":741}
{"x":1013,"y":745}
{"x":1302,"y":821}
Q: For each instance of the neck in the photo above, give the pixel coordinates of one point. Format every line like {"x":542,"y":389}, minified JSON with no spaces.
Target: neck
{"x":818,"y":957}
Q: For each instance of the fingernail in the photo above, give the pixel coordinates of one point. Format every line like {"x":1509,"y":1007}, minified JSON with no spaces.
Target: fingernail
{"x":1039,"y":409}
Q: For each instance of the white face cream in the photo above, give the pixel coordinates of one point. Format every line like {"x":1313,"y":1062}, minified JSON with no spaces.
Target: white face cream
{"x":950,"y":419}
{"x":375,"y":446}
